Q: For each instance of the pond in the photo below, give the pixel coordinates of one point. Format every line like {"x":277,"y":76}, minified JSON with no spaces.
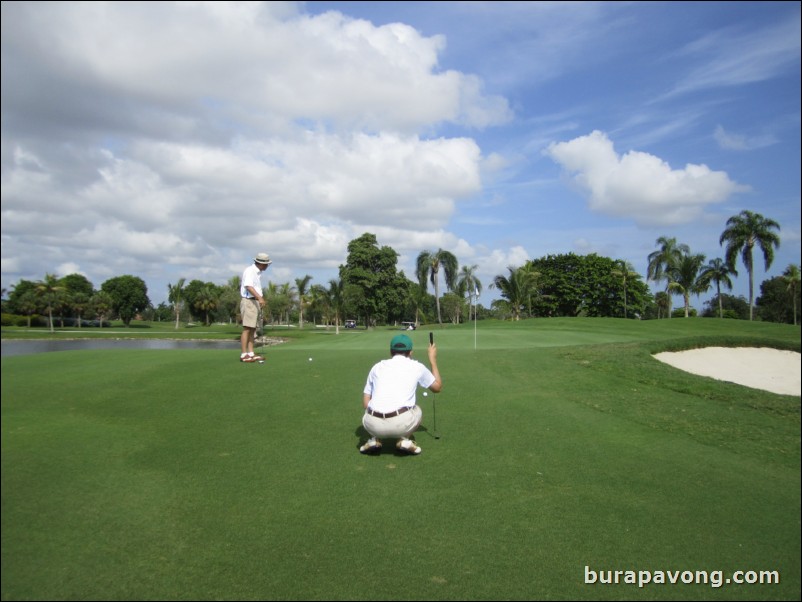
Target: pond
{"x":18,"y":347}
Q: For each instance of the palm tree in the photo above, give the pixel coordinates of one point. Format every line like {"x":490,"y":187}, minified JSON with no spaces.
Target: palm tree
{"x":336,"y":300}
{"x":743,"y":232}
{"x":662,"y":301}
{"x":302,"y":285}
{"x":206,"y":301}
{"x":174,"y":293}
{"x":468,"y":282}
{"x":684,"y":278}
{"x":516,"y":289}
{"x":719,"y":272}
{"x":49,"y":290}
{"x":418,"y":297}
{"x":661,"y":260}
{"x":624,"y":271}
{"x":102,"y":305}
{"x":428,"y":267}
{"x":792,"y":277}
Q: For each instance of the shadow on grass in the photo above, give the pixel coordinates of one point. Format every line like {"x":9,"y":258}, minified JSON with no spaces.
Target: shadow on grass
{"x":362,"y":436}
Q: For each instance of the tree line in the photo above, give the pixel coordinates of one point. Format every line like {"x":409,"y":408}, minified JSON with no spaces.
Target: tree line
{"x":371,"y":290}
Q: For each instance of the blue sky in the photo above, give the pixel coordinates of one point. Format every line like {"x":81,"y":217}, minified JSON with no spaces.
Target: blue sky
{"x":177,"y":140}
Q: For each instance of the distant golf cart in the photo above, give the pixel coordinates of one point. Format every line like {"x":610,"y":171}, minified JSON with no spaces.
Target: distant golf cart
{"x":408,"y":326}
{"x":350,"y":323}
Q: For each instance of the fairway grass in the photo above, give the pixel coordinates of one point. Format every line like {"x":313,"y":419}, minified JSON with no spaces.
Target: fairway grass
{"x":186,"y":475}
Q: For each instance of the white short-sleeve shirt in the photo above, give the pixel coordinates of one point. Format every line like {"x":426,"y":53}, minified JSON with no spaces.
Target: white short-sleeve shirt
{"x":392,"y":383}
{"x":252,"y":276}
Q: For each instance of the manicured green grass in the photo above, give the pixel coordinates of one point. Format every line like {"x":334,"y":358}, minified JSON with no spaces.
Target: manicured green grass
{"x":167,"y":475}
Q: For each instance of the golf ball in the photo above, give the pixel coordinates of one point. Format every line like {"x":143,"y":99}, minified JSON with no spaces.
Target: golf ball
{"x":425,"y":393}
{"x":310,"y":359}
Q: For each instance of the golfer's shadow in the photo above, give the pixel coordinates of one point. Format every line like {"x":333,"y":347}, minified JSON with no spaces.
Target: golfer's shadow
{"x":362,"y":436}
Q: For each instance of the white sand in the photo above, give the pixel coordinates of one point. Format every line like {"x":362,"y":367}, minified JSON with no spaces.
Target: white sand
{"x":759,"y":368}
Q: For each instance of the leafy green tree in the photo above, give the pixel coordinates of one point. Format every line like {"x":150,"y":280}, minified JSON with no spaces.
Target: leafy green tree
{"x":573,"y":285}
{"x":774,"y":303}
{"x":743,"y":233}
{"x":719,"y":272}
{"x":161,"y":313}
{"x":428,"y":268}
{"x":174,"y":294}
{"x":79,"y":302}
{"x":101,"y":305}
{"x":23,"y":289}
{"x":129,"y":296}
{"x":77,"y":283}
{"x":279,"y":299}
{"x":419,"y":300}
{"x":27,"y":304}
{"x":229,"y":302}
{"x":792,"y":278}
{"x":453,"y":306}
{"x":732,"y":307}
{"x":684,"y":278}
{"x":191,"y":292}
{"x":372,"y":285}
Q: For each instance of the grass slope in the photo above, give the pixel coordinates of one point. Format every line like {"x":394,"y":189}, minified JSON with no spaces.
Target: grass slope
{"x":185,"y":475}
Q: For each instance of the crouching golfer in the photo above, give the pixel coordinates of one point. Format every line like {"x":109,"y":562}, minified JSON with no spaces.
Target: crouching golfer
{"x":389,"y":396}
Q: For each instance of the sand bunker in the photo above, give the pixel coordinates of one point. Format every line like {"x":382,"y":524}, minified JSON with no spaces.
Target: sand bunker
{"x":759,"y":368}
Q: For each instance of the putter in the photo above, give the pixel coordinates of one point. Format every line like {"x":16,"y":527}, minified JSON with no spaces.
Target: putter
{"x":261,"y":332}
{"x":434,"y":403}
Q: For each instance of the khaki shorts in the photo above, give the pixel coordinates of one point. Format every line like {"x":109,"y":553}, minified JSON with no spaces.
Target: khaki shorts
{"x":249,"y":309}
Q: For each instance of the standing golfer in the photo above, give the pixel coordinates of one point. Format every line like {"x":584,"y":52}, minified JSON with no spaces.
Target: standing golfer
{"x":389,"y":396}
{"x":251,"y":305}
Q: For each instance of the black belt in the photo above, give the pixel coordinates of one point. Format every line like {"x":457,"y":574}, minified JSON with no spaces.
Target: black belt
{"x":389,"y":415}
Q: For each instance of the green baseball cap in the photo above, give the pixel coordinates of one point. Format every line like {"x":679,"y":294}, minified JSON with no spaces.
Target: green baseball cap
{"x":401,"y":342}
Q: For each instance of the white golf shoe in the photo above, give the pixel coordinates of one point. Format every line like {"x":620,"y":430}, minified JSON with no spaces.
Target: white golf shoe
{"x":372,"y":445}
{"x":408,"y":446}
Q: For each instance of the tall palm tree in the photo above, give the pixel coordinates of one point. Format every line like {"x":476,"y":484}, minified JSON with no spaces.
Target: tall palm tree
{"x":719,"y":272}
{"x":684,"y":278}
{"x":468,"y":282}
{"x":791,"y":276}
{"x":743,"y":232}
{"x":336,"y":300}
{"x":660,"y":261}
{"x":174,"y":293}
{"x":625,"y":272}
{"x":49,"y":290}
{"x":302,"y":286}
{"x":428,"y":267}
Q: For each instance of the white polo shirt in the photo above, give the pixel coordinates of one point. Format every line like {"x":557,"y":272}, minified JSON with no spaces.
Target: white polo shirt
{"x":252,"y":276}
{"x":392,"y":383}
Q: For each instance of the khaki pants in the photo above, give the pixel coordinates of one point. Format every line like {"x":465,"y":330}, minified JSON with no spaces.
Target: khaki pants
{"x":402,"y":425}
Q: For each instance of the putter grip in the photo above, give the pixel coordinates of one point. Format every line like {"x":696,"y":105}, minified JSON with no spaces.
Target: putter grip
{"x":431,"y":338}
